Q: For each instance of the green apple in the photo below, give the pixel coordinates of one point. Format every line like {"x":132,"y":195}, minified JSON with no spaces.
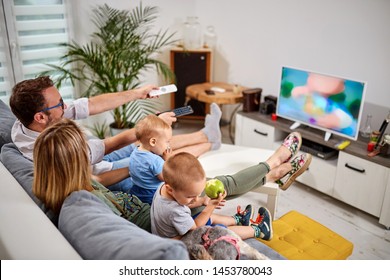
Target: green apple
{"x":214,"y":187}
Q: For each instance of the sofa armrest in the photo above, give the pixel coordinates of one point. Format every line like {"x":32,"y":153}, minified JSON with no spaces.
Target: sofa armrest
{"x":25,"y":231}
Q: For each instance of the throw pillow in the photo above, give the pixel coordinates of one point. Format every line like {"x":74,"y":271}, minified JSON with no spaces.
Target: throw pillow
{"x":7,"y":120}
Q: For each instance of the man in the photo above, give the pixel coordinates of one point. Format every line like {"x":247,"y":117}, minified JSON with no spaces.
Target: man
{"x":37,"y":103}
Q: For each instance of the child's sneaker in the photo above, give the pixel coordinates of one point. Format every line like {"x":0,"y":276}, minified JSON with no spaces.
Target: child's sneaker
{"x":263,"y":224}
{"x":243,"y":218}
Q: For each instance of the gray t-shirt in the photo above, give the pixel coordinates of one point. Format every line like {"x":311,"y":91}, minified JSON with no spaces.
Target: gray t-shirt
{"x":169,"y":218}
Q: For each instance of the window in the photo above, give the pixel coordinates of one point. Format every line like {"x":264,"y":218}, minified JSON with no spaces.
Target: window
{"x":31,"y":32}
{"x":6,"y":78}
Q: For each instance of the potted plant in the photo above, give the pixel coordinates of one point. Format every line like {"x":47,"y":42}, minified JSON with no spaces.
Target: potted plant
{"x":121,"y":48}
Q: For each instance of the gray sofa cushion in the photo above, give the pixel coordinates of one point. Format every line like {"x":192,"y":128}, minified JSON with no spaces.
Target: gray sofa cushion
{"x":7,"y":120}
{"x":97,"y":233}
{"x":22,"y":169}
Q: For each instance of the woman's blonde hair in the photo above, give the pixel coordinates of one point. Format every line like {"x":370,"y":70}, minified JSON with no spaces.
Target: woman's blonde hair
{"x":181,"y":169}
{"x":149,"y":127}
{"x":61,"y":163}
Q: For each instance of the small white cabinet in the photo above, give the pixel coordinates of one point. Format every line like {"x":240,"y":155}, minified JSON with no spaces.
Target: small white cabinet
{"x":320,"y":175}
{"x":384,"y":218}
{"x":251,"y":133}
{"x":360,"y":183}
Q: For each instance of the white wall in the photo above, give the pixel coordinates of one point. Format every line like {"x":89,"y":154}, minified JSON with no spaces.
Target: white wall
{"x":350,"y":38}
{"x":170,"y":17}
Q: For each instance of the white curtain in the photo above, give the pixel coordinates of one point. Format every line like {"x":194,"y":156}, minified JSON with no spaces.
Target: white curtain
{"x":31,"y":32}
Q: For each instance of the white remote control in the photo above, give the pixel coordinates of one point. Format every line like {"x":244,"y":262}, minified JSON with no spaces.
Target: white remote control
{"x":163,"y":90}
{"x":218,"y":89}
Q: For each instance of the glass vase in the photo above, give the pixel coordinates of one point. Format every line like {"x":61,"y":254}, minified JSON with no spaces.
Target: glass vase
{"x":210,"y":38}
{"x":192,"y":34}
{"x":366,"y":130}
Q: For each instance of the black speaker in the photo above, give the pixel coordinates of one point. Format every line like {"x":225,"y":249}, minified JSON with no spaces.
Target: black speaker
{"x":190,"y":67}
{"x":269,"y":105}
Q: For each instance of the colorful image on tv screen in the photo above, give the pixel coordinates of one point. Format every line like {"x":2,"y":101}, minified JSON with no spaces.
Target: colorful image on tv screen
{"x":321,"y":101}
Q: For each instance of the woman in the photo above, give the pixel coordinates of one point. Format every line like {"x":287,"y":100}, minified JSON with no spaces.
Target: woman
{"x":61,"y":166}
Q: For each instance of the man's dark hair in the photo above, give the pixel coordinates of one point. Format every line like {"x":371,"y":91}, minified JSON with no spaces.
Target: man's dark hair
{"x":27,"y":98}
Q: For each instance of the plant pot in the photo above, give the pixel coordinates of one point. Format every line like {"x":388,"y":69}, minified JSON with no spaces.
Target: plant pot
{"x":115,"y":131}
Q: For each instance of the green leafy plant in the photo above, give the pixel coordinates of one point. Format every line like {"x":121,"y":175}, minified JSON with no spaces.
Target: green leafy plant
{"x":99,"y":130}
{"x":122,"y":48}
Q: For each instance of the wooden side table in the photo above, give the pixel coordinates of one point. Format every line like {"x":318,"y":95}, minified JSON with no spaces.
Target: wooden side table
{"x":198,"y":92}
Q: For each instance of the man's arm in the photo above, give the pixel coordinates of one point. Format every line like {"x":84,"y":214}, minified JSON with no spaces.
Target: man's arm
{"x":111,"y":177}
{"x":109,"y":101}
{"x":120,"y":140}
{"x":128,"y":137}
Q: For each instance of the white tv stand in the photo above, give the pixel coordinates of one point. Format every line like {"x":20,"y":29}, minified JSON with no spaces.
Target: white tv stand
{"x":351,"y":176}
{"x":297,"y":124}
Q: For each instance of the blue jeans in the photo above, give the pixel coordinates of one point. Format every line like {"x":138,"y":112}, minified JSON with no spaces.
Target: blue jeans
{"x":121,"y":158}
{"x":209,"y":221}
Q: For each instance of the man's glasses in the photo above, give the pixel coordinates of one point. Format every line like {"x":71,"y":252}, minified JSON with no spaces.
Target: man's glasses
{"x":61,"y":104}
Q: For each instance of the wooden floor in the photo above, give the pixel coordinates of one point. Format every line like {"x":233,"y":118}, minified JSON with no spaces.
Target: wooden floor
{"x":371,"y":240}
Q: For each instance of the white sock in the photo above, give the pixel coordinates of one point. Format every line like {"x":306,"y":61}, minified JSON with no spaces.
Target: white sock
{"x":212,"y":128}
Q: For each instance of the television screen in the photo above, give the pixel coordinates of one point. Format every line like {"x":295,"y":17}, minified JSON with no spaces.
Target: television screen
{"x":333,"y":104}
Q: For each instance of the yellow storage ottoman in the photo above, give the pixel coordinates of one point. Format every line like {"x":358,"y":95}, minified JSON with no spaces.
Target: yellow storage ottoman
{"x":297,"y":237}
